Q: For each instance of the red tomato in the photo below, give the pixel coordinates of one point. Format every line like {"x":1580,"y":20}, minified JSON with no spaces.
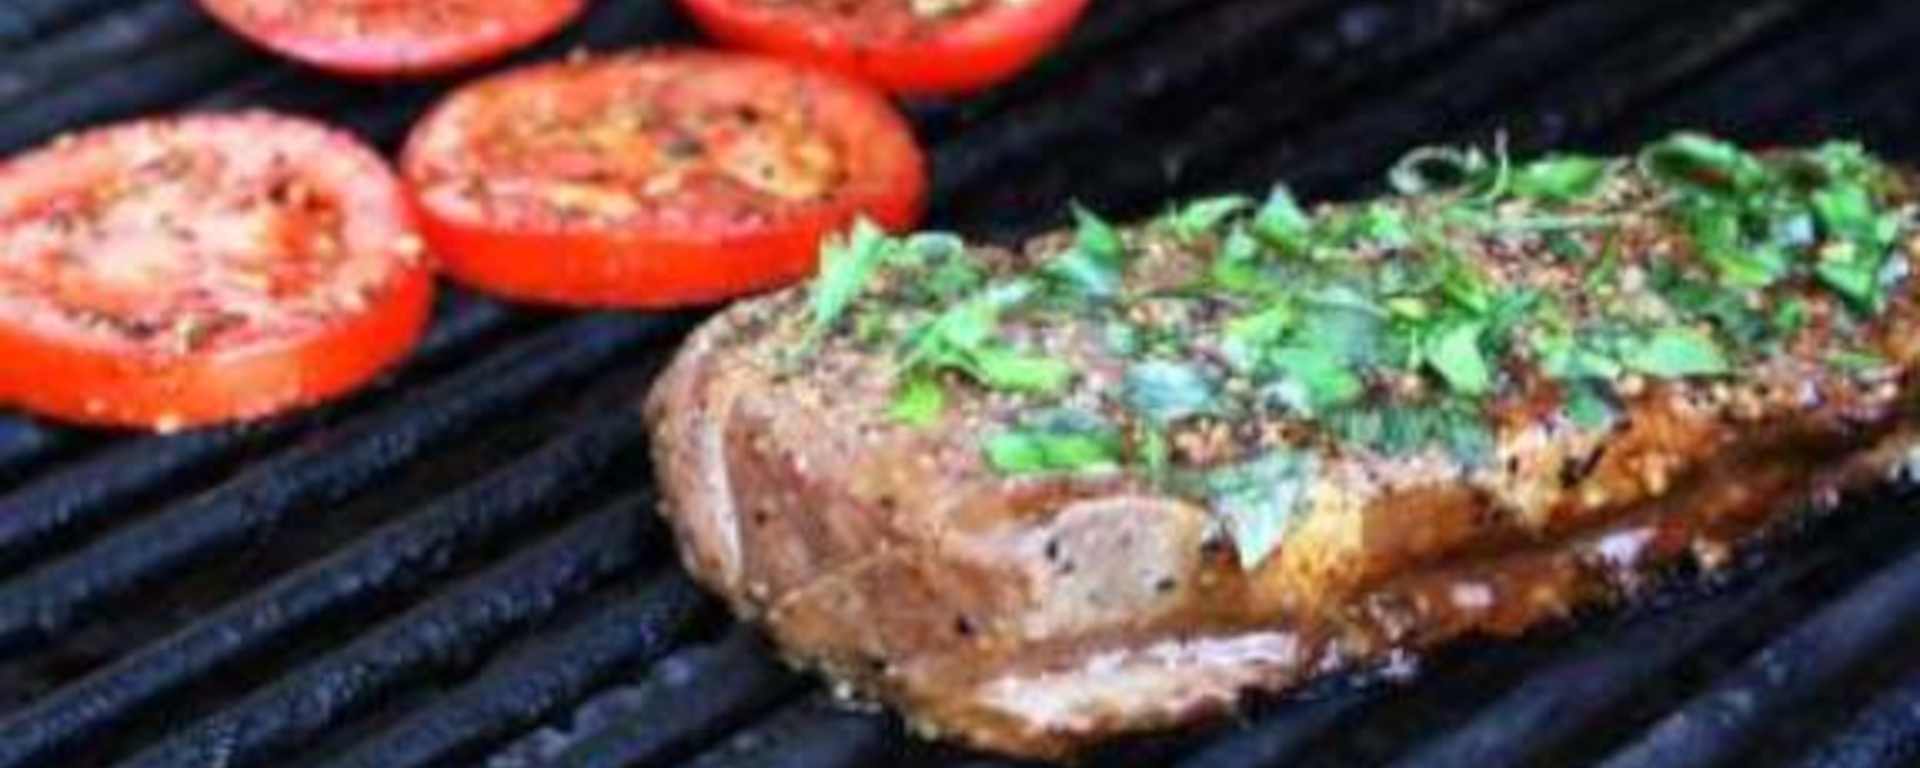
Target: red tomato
{"x":394,"y":37}
{"x":905,"y":46}
{"x":174,"y":273}
{"x":655,"y":179}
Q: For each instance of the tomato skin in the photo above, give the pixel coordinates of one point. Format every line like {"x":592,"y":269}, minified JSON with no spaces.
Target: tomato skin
{"x":56,"y":366}
{"x":965,"y":56}
{"x":399,"y":53}
{"x":105,"y":387}
{"x":665,"y":264}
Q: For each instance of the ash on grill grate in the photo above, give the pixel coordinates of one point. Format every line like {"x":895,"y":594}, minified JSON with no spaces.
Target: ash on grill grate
{"x":457,"y":568}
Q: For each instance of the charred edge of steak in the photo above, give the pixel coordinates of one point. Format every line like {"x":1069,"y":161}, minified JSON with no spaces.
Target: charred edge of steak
{"x":944,"y":478}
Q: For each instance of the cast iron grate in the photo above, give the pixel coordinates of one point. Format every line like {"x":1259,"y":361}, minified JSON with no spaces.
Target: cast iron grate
{"x":458,"y":567}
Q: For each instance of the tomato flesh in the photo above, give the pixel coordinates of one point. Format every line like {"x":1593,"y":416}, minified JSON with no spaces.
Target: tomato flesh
{"x":659,"y":179}
{"x":373,"y":38}
{"x":904,"y":46}
{"x":174,"y":273}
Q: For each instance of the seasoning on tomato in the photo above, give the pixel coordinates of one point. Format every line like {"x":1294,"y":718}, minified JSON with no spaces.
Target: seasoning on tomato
{"x":904,"y":46}
{"x":656,"y":179}
{"x":182,"y":272}
{"x":372,"y":38}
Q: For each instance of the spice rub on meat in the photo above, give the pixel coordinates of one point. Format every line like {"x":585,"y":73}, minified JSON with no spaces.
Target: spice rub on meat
{"x":1122,"y":478}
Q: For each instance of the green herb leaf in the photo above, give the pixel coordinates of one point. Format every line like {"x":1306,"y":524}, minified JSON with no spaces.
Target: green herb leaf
{"x":1164,"y":391}
{"x":1236,"y":267}
{"x":848,"y":265}
{"x":1457,"y":356}
{"x":1314,"y":380}
{"x":1007,"y":370}
{"x":1705,"y":165}
{"x":1676,"y":352}
{"x":1562,"y":179}
{"x":962,"y":339}
{"x":1858,"y":362}
{"x":1283,"y":225}
{"x":919,"y":401}
{"x":1433,"y":170}
{"x":1257,"y":502}
{"x":1586,"y":406}
{"x":1055,"y":442}
{"x":1094,"y":267}
{"x":1245,"y":340}
{"x":1202,"y":218}
{"x":944,"y":271}
{"x":1563,"y":357}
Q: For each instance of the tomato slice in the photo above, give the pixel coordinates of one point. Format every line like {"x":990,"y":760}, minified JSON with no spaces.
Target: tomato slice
{"x":655,"y":179}
{"x":904,"y":46}
{"x":371,"y":38}
{"x":175,"y":273}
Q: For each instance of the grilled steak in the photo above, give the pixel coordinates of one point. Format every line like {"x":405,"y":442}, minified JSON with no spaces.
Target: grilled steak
{"x":1122,"y":477}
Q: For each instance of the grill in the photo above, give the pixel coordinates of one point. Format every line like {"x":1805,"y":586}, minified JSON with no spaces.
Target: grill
{"x":459,"y":566}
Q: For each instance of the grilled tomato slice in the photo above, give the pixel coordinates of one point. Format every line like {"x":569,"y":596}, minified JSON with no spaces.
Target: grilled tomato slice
{"x":181,"y":272}
{"x":655,"y":179}
{"x":374,"y":38}
{"x":905,"y":46}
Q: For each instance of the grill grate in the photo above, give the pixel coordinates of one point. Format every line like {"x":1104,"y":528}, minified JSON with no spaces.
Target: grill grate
{"x":456,"y":568}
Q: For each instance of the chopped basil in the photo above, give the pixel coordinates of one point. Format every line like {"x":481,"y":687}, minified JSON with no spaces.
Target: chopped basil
{"x":1586,"y":406}
{"x":1706,"y":165}
{"x":1164,"y":391}
{"x":963,"y":339}
{"x":1257,"y":501}
{"x":919,"y":401}
{"x":1246,"y":339}
{"x":1675,"y":353}
{"x":1283,"y":225}
{"x":1562,"y":179}
{"x":1432,"y":170}
{"x":1858,"y":362}
{"x":1056,"y":442}
{"x":1237,"y":266}
{"x":1202,"y":218}
{"x":1093,"y":267}
{"x":1457,"y":356}
{"x":1313,"y":380}
{"x":847,"y":265}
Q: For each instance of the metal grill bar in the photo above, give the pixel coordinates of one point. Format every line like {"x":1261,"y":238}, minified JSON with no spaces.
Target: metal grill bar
{"x":48,"y":599}
{"x":531,"y":684}
{"x":815,"y":733}
{"x":109,"y":486}
{"x":1712,"y":729}
{"x":521,"y":591}
{"x":684,"y":701}
{"x":401,"y":555}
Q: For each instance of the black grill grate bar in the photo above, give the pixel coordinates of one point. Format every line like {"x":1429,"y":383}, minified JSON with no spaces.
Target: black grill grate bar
{"x":109,"y":485}
{"x":346,"y":461}
{"x":399,"y":556}
{"x":1886,"y":732}
{"x":518,"y":593}
{"x":531,"y":683}
{"x":1521,"y":61}
{"x":817,"y":732}
{"x":1772,"y":87}
{"x":25,"y":442}
{"x":684,"y":701}
{"x":1283,"y":734}
{"x":168,"y":75}
{"x":1229,"y":139}
{"x":24,"y":21}
{"x":1106,"y":33}
{"x":142,"y":27}
{"x":1121,"y":85}
{"x":1577,"y":688}
{"x":1715,"y":725}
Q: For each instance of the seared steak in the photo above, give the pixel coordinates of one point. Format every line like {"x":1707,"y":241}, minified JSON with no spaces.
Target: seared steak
{"x":1121,"y":478}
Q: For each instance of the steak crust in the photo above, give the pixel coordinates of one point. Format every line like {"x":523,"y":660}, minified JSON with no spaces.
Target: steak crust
{"x":1039,"y":615}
